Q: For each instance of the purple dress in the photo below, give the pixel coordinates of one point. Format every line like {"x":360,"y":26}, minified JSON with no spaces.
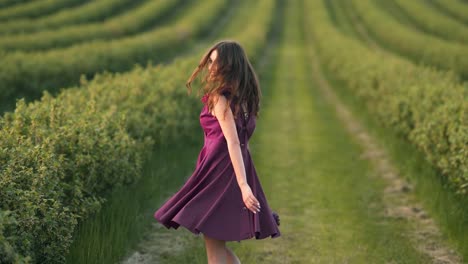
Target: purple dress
{"x":210,"y":201}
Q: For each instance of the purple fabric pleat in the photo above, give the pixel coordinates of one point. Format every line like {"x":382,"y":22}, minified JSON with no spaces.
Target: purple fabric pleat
{"x":210,"y":201}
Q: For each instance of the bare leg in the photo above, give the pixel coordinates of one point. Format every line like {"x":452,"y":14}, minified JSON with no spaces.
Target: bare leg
{"x":232,"y":258}
{"x":215,"y":250}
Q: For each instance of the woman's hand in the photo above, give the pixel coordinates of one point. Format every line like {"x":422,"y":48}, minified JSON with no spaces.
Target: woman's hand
{"x":249,"y":199}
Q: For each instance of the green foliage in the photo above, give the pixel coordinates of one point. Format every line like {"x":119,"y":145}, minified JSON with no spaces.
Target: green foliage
{"x":7,"y":252}
{"x":86,"y":13}
{"x":131,"y":22}
{"x":455,"y":8}
{"x":8,"y":3}
{"x":61,"y":156}
{"x":425,"y":106}
{"x":56,"y":161}
{"x":412,"y":43}
{"x":429,"y":19}
{"x":28,"y":74}
{"x":33,"y":9}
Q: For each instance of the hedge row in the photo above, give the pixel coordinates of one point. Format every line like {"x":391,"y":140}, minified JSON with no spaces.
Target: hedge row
{"x":427,"y":107}
{"x":340,"y":13}
{"x":455,"y":8}
{"x":27,"y":74}
{"x":410,"y":42}
{"x":61,"y":156}
{"x":432,"y":21}
{"x":9,"y":3}
{"x":89,"y":12}
{"x":131,"y":22}
{"x":36,"y":8}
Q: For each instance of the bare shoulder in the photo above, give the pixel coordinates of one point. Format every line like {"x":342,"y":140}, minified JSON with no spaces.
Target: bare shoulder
{"x":220,"y":107}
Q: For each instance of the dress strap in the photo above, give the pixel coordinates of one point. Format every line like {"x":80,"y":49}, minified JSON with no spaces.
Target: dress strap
{"x":245,"y":118}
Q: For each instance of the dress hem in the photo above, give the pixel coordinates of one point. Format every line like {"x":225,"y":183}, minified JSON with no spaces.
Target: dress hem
{"x":197,"y":232}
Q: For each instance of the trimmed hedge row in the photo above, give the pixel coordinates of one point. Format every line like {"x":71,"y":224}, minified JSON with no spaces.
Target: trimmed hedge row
{"x":410,"y":42}
{"x":456,"y":8}
{"x":341,"y":17}
{"x":427,"y":107}
{"x":8,"y":3}
{"x":62,"y":155}
{"x":27,"y":74}
{"x":36,"y":8}
{"x":131,"y":22}
{"x":89,"y":12}
{"x":430,"y":20}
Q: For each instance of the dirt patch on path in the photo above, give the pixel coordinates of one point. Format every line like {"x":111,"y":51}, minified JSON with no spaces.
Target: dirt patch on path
{"x":159,"y":244}
{"x":398,"y":198}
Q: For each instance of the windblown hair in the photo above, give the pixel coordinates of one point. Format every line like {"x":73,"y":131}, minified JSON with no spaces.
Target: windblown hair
{"x":234,"y":77}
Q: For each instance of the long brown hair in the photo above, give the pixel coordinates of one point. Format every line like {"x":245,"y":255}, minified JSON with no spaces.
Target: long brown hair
{"x":234,"y":74}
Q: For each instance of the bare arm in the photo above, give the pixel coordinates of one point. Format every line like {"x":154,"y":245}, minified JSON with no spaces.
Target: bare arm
{"x":228,"y":126}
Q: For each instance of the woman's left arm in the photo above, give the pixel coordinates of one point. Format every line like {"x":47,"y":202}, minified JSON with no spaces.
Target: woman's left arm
{"x":228,"y":126}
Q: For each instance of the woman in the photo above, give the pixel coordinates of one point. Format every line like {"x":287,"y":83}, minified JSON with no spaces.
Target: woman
{"x":223,"y":198}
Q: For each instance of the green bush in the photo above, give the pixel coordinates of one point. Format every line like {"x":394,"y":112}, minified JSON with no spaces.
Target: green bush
{"x":55,"y":158}
{"x":7,"y":252}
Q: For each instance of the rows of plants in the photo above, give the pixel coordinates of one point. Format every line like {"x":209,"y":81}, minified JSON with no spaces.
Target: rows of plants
{"x":63,"y":154}
{"x":134,"y":21}
{"x":424,"y":106}
{"x":32,"y":9}
{"x":343,"y":18}
{"x":6,"y":3}
{"x":432,"y":21}
{"x":456,"y":8}
{"x":28,"y":74}
{"x":392,"y":8}
{"x":410,"y":42}
{"x":90,"y":12}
